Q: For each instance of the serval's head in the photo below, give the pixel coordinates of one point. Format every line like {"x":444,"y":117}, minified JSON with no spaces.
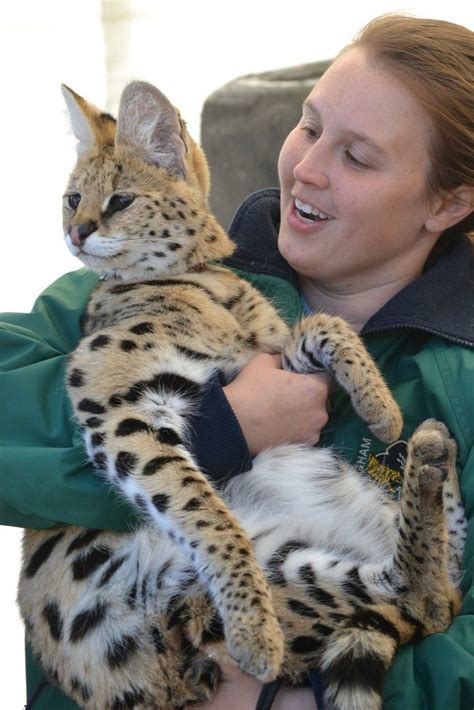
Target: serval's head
{"x":136,"y":204}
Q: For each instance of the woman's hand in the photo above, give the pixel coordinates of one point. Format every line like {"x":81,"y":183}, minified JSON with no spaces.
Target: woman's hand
{"x":274,"y":406}
{"x":239,"y":691}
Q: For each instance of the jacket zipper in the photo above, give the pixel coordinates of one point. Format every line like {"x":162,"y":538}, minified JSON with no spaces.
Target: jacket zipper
{"x":404,"y":326}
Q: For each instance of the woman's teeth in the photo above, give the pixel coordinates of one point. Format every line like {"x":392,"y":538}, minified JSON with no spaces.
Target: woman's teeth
{"x":309,"y":212}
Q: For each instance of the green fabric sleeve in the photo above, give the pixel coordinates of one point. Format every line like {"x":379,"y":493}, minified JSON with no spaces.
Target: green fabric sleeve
{"x":45,"y":479}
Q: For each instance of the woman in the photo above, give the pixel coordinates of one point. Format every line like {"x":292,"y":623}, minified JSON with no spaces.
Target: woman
{"x":377,"y":178}
{"x":377,"y":191}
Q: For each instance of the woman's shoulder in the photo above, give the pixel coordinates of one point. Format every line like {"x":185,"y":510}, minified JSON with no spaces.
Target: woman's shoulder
{"x":254,"y":229}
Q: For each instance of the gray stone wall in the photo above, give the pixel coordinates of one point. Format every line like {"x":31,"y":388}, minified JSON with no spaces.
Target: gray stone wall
{"x":243,"y":127}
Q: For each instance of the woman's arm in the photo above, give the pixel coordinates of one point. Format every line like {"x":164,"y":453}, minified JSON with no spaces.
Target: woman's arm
{"x":239,"y":691}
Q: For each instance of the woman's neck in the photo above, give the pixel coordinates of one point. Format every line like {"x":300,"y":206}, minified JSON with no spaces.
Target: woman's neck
{"x":356,"y":306}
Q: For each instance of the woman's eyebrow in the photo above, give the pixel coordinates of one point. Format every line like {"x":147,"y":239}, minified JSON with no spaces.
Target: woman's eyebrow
{"x":353,"y":135}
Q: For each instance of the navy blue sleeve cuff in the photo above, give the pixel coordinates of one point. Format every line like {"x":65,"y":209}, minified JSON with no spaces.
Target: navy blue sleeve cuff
{"x":216,"y":438}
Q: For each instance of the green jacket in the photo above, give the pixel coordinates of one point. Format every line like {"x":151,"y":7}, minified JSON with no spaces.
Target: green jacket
{"x":427,"y":361}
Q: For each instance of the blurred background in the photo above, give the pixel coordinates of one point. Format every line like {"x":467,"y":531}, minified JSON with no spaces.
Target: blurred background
{"x":188,"y":49}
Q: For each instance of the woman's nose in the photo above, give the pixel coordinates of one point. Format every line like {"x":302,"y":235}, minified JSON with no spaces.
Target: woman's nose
{"x":312,"y":168}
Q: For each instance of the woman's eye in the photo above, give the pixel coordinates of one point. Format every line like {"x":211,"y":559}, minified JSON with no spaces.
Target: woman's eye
{"x":73,"y":200}
{"x":310,"y":132}
{"x":354,"y":160}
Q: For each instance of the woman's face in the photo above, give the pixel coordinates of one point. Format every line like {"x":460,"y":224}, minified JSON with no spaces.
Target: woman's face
{"x":353,"y":175}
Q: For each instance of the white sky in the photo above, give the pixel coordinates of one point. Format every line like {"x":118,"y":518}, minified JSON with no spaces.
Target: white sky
{"x":188,"y":49}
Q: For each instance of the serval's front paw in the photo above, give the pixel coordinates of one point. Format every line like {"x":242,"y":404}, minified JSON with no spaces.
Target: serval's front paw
{"x":256,"y":644}
{"x":384,"y":418}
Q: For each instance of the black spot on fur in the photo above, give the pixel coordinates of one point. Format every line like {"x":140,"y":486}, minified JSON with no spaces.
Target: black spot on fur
{"x":349,"y":672}
{"x":85,"y":565}
{"x":322,"y":629}
{"x":214,"y":631}
{"x":99,"y":342}
{"x":88,"y":405}
{"x":192,"y":504}
{"x":76,"y":378}
{"x":87,"y":621}
{"x":176,"y":616}
{"x":372,"y":620}
{"x":165,"y":382}
{"x":194,"y":354}
{"x":120,"y":651}
{"x":142,"y":328}
{"x":111,"y":570}
{"x":125,"y":463}
{"x":94,"y":422}
{"x":313,"y":590}
{"x":81,"y":688}
{"x":161,"y":502}
{"x":97,"y":439}
{"x":355,"y":586}
{"x":231,"y":302}
{"x":83,"y":540}
{"x":131,"y":426}
{"x":124,"y":288}
{"x":141,"y":504}
{"x":100,"y":461}
{"x":168,"y":436}
{"x":41,"y":555}
{"x":128,"y":345}
{"x":158,"y":642}
{"x":157,"y":463}
{"x":132,"y":596}
{"x":279,"y":557}
{"x":52,"y":615}
{"x":252,"y":340}
{"x":302,"y":609}
{"x":305,"y":644}
{"x":414,"y":621}
{"x":316,"y":364}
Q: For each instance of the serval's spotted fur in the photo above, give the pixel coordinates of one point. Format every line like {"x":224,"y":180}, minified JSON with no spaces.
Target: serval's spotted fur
{"x":298,"y":564}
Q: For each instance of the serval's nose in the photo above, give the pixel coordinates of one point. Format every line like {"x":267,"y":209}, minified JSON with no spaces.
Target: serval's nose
{"x":80,"y":232}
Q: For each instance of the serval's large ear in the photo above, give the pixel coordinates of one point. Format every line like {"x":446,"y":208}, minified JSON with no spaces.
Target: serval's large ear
{"x":93,"y":128}
{"x":150,"y":125}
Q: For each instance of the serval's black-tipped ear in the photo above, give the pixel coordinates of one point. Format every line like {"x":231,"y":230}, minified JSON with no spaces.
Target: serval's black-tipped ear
{"x":150,"y":125}
{"x":93,"y":128}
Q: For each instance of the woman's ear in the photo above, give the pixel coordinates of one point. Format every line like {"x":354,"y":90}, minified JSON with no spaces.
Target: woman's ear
{"x":450,"y":209}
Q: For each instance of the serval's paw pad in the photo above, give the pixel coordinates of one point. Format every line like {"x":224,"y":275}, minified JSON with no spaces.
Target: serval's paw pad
{"x":432,"y":445}
{"x":432,"y":477}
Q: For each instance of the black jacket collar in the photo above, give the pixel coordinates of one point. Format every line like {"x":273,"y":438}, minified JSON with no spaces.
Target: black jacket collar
{"x":440,"y":301}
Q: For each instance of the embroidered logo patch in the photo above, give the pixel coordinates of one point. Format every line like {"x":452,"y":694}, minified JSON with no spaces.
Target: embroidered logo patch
{"x":386,"y":467}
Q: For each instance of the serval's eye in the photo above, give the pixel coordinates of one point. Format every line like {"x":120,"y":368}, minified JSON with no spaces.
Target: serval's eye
{"x":73,"y":200}
{"x":119,"y":202}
